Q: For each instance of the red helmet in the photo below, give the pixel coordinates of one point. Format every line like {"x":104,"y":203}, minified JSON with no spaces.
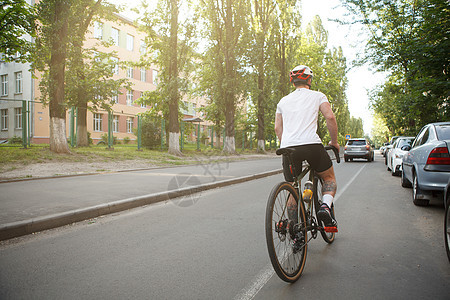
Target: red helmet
{"x":300,"y":74}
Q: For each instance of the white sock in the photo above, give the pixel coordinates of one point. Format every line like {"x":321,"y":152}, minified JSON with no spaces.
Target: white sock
{"x":328,"y":199}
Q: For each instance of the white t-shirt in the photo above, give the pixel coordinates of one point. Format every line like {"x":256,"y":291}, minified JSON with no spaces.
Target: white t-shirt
{"x":300,"y":111}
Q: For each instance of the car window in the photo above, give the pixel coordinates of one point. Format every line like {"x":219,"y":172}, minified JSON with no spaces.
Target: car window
{"x":403,"y":142}
{"x":418,"y":140}
{"x":357,"y":143}
{"x":423,"y":137}
{"x":443,"y":132}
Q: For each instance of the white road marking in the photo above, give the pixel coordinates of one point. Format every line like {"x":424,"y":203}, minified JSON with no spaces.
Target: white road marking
{"x":250,"y":291}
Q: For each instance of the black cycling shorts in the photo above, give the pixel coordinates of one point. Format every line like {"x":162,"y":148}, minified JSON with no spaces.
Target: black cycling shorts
{"x":314,"y":154}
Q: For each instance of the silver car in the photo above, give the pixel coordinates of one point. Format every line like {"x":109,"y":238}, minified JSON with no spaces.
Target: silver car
{"x":358,"y":148}
{"x":426,"y":165}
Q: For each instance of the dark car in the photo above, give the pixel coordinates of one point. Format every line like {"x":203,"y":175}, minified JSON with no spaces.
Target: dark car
{"x":426,"y":165}
{"x":358,"y":148}
{"x":447,"y":219}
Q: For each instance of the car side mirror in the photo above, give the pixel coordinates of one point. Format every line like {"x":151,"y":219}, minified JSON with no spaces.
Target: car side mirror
{"x":406,"y":148}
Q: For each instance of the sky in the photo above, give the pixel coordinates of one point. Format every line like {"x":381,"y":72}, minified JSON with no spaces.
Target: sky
{"x":350,"y":38}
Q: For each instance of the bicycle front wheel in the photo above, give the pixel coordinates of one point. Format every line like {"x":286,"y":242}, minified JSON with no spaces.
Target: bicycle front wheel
{"x":317,"y":191}
{"x":286,"y":239}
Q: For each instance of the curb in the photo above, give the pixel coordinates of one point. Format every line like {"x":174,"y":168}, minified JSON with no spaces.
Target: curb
{"x":20,"y":228}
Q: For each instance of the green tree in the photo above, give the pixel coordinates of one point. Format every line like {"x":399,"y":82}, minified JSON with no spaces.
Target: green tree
{"x":171,"y":45}
{"x":50,"y":58}
{"x":226,"y":22}
{"x":408,"y":39}
{"x":17,"y":19}
{"x":262,"y":17}
{"x":89,"y":82}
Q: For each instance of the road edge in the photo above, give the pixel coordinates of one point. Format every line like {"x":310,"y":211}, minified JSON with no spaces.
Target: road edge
{"x":21,"y":228}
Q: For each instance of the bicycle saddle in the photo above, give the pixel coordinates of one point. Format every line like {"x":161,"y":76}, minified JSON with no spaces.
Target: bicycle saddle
{"x":282,"y":151}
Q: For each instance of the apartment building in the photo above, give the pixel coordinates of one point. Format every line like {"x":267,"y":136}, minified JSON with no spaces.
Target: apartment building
{"x":16,"y":88}
{"x":17,"y":84}
{"x":128,"y":44}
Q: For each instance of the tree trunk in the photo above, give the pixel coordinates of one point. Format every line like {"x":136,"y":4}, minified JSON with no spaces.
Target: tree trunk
{"x":260,"y":112}
{"x":229,"y":145}
{"x":57,"y":109}
{"x":174,"y":126}
{"x":82,"y":136}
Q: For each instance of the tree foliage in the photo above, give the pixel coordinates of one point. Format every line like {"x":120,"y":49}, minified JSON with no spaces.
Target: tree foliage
{"x":170,"y":46}
{"x":17,"y":19}
{"x":409,"y":40}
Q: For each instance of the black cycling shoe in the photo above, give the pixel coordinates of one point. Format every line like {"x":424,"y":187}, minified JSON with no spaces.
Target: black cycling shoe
{"x":326,"y":216}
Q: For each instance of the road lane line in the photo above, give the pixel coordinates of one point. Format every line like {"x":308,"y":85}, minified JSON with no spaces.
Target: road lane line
{"x":250,"y":291}
{"x":341,"y":191}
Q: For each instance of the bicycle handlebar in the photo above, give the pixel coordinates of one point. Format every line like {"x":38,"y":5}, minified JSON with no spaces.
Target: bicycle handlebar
{"x":336,"y":152}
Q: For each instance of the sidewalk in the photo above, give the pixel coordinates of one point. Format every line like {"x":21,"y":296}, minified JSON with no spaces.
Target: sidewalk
{"x":36,"y":205}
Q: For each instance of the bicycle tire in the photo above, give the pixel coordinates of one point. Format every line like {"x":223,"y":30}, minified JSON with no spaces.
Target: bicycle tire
{"x":317,"y":192}
{"x":287,"y":263}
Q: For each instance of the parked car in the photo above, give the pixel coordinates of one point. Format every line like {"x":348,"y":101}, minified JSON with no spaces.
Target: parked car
{"x":426,"y":167}
{"x":358,"y":148}
{"x":383,"y":149}
{"x":389,"y":147}
{"x":447,"y":220}
{"x":395,"y":155}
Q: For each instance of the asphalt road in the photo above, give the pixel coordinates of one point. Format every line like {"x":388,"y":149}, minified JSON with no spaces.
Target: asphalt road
{"x":386,"y":248}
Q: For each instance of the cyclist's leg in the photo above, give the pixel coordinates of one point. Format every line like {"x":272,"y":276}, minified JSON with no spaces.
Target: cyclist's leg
{"x":291,"y":202}
{"x":329,"y":186}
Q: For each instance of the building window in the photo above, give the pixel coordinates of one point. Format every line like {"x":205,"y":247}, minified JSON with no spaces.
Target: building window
{"x":98,"y":30}
{"x":142,"y":47}
{"x":129,"y":97}
{"x":115,"y":98}
{"x":143,"y":74}
{"x":155,"y":77}
{"x":4,"y":119}
{"x":116,"y":124}
{"x":116,"y":65}
{"x":115,"y":36}
{"x":142,"y":104}
{"x":18,"y":76}
{"x":4,"y":83}
{"x":97,"y":122}
{"x":130,"y":121}
{"x":130,"y":42}
{"x":18,"y":118}
{"x":130,"y":72}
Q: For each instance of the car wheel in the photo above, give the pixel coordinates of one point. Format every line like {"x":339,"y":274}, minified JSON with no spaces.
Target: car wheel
{"x":346,"y":158}
{"x":385,"y":160}
{"x":393,"y":170}
{"x":417,"y":192}
{"x":447,"y":226}
{"x":405,"y":182}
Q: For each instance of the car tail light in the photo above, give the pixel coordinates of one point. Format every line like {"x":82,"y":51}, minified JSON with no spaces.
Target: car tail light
{"x":345,"y":148}
{"x":367,"y":147}
{"x":439,"y":156}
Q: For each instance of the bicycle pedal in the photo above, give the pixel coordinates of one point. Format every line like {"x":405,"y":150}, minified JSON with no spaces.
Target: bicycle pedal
{"x":330,"y":229}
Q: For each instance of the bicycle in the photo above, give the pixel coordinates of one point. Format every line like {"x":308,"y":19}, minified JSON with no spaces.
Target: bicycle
{"x":287,"y":230}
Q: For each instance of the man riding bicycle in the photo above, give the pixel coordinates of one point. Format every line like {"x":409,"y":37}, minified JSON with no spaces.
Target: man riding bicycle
{"x":296,"y":127}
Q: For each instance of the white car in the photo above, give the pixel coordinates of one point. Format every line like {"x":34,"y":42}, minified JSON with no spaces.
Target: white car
{"x":395,"y":155}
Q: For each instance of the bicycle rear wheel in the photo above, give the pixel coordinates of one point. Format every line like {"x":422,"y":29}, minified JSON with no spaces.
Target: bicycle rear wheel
{"x":286,"y":241}
{"x":317,"y":191}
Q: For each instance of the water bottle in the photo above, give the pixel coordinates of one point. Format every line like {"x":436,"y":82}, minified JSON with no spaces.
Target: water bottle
{"x":307,"y":192}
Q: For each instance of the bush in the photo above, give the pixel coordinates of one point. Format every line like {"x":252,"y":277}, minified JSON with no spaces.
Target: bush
{"x":90,"y":141}
{"x":126,"y":140}
{"x":15,"y":140}
{"x":104,"y":138}
{"x":150,"y":133}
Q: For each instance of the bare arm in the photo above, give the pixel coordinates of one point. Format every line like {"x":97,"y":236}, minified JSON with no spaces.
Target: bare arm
{"x":325,"y":108}
{"x":279,"y":126}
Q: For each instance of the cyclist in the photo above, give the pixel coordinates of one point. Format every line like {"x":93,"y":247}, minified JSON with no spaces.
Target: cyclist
{"x":296,"y":127}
